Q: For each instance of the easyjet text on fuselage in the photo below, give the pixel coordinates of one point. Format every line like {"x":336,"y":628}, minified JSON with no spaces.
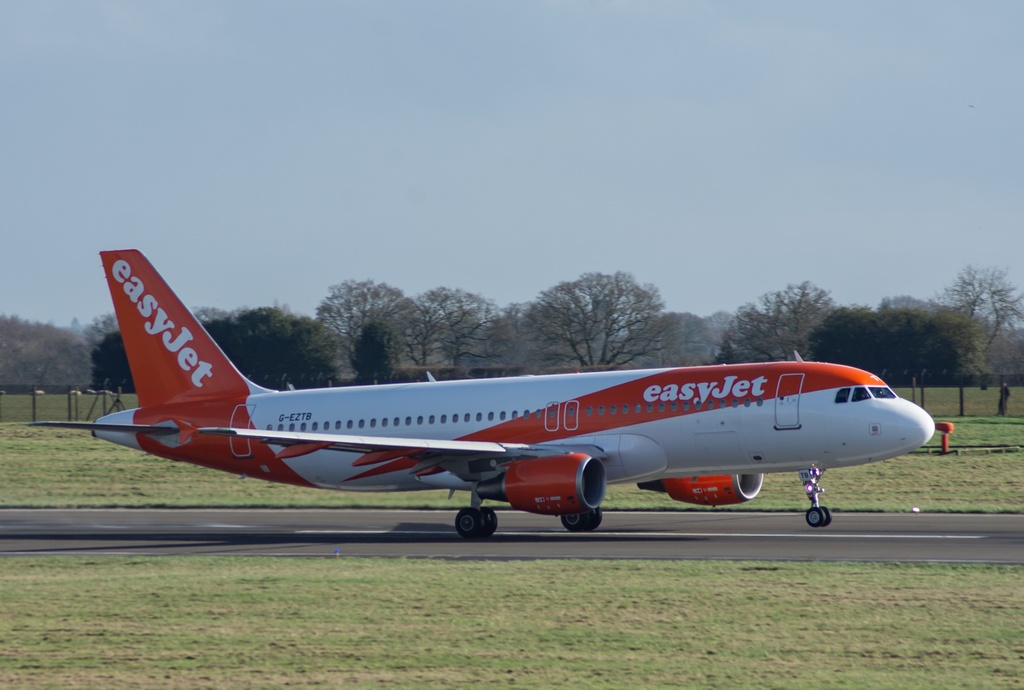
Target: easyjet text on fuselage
{"x":730,"y":386}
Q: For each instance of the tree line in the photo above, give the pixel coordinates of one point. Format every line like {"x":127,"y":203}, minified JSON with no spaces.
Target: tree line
{"x":368,"y":331}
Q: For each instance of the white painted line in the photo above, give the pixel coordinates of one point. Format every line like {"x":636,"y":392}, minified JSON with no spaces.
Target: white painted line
{"x":641,"y":535}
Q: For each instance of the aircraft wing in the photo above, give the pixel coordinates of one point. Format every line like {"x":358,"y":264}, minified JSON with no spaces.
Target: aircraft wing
{"x":300,"y":442}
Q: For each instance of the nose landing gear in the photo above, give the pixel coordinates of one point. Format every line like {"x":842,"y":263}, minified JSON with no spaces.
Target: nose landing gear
{"x":817,"y":515}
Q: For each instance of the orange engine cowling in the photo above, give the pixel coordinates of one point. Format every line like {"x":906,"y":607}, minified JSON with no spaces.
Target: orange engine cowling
{"x":722,"y":490}
{"x":556,"y":485}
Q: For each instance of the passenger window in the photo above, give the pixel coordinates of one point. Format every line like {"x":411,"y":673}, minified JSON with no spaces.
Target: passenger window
{"x":373,"y":423}
{"x":383,"y":422}
{"x":501,"y":416}
{"x":861,"y":394}
{"x":490,"y":416}
{"x":842,"y":395}
{"x":314,"y":426}
{"x":431,"y":419}
{"x":444,"y":418}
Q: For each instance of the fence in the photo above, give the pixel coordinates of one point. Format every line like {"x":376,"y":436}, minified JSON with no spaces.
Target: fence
{"x":70,"y":405}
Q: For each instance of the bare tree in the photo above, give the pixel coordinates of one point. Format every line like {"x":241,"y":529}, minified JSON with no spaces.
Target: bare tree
{"x":778,"y":324}
{"x":688,"y":341}
{"x":41,"y":354}
{"x":987,"y":296}
{"x":455,"y":321}
{"x":352,"y":304}
{"x":597,"y":320}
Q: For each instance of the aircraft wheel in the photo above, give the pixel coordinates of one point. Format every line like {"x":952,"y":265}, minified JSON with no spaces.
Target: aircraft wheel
{"x":490,"y":522}
{"x":816,"y":517}
{"x":828,"y":516}
{"x":595,"y":519}
{"x":576,"y":522}
{"x":469,"y":523}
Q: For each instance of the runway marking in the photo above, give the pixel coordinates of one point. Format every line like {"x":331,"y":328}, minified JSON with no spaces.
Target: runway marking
{"x":640,"y":535}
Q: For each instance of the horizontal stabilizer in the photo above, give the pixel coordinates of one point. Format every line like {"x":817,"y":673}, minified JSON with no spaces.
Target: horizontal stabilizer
{"x":149,"y":429}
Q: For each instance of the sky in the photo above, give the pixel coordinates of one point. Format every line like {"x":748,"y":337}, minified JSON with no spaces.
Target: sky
{"x":260,"y":152}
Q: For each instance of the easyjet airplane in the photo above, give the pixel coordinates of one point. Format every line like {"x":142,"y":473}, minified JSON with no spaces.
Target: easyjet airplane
{"x":544,"y":444}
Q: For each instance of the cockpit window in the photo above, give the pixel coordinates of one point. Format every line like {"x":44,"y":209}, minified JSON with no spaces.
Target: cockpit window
{"x":842,"y":395}
{"x":882,"y":392}
{"x":861,"y":394}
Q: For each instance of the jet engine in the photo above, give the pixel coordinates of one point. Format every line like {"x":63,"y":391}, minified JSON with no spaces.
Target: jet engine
{"x":556,"y":485}
{"x":722,"y":490}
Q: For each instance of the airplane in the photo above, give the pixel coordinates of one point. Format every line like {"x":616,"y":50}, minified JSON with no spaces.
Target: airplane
{"x":549,"y":445}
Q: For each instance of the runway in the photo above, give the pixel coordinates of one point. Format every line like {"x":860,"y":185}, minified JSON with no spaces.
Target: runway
{"x":946,"y":538}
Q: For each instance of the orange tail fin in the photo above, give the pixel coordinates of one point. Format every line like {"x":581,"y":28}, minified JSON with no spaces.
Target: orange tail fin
{"x":171,"y":355}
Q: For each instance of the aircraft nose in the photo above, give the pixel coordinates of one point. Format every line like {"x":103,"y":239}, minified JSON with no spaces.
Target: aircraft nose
{"x":918,"y":426}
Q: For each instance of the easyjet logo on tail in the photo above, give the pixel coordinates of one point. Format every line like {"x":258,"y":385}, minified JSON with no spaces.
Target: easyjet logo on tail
{"x":174,"y":339}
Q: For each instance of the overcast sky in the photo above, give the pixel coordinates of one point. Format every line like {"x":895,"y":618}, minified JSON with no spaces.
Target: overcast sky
{"x":259,"y":152}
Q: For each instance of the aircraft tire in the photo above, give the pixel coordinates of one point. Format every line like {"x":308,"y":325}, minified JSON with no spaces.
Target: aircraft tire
{"x":828,"y":516}
{"x":469,"y":523}
{"x":490,"y":522}
{"x":576,"y":522}
{"x":816,"y":517}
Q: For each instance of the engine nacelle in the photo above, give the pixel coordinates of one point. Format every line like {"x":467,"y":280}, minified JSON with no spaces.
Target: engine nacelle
{"x":556,"y":485}
{"x":721,"y":490}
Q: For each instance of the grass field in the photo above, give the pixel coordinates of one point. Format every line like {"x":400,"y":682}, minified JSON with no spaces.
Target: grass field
{"x":62,"y":468}
{"x":249,"y":623}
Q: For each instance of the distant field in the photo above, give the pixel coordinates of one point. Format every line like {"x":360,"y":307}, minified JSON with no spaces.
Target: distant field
{"x":940,"y":402}
{"x":62,"y":468}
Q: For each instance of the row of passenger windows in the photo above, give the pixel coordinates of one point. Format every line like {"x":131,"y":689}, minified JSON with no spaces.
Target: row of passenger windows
{"x":551,"y":411}
{"x":863,"y":393}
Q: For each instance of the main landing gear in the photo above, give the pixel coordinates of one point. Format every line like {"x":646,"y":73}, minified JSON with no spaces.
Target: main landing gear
{"x":476,"y":522}
{"x":582,"y":522}
{"x":473,"y":523}
{"x":817,"y":515}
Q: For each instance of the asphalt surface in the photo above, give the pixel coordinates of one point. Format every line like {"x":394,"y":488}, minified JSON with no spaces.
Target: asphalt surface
{"x":911,"y":537}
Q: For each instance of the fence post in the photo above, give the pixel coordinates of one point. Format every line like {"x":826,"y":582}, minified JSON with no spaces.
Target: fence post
{"x":34,"y":389}
{"x":961,"y":395}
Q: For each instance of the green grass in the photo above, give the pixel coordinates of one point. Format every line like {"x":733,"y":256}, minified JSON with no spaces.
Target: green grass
{"x":62,"y":468}
{"x":251,"y":622}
